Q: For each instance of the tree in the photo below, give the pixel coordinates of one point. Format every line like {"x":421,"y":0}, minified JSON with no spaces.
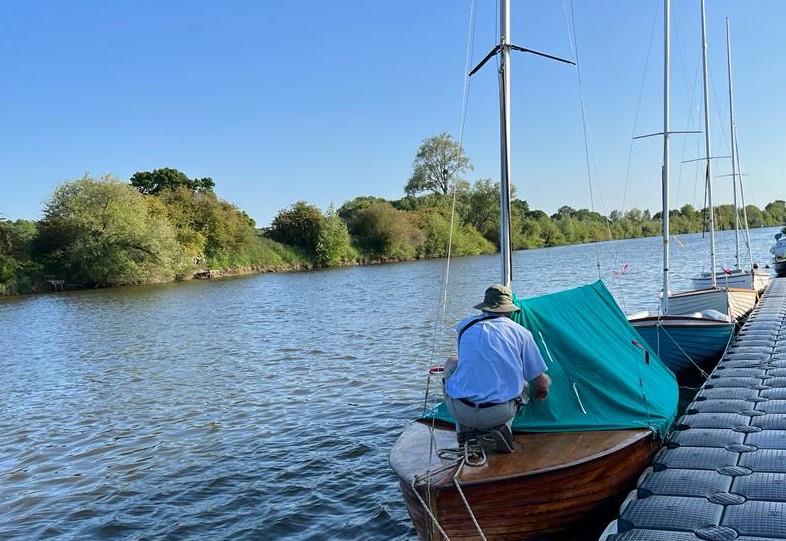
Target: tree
{"x":299,"y":225}
{"x":155,"y":181}
{"x":334,"y":245}
{"x":101,"y":232}
{"x":776,"y":211}
{"x":439,"y":161}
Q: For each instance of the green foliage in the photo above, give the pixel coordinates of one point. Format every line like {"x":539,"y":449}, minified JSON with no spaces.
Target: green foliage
{"x":334,"y":245}
{"x":438,"y":160}
{"x":384,"y":231}
{"x":100,"y":232}
{"x":466,"y":239}
{"x":156,"y":181}
{"x":299,"y":225}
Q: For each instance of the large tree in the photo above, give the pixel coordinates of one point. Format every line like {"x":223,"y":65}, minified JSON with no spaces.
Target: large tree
{"x":155,"y":181}
{"x":102,"y":232}
{"x":439,"y":163}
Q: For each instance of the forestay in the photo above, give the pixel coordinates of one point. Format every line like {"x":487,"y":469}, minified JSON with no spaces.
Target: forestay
{"x":601,"y":377}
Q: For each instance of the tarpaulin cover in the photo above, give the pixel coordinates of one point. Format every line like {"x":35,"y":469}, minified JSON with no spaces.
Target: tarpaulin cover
{"x":601,"y":378}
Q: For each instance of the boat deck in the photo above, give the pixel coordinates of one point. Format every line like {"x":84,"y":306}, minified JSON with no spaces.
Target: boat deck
{"x":722,"y":474}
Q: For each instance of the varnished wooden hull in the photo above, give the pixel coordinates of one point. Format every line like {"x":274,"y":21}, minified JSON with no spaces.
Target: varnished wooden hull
{"x":530,"y":505}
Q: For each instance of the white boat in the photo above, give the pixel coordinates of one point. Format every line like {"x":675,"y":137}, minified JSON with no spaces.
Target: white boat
{"x":736,"y":302}
{"x":779,"y":248}
{"x":779,"y":252}
{"x":717,"y":295}
{"x":738,"y":278}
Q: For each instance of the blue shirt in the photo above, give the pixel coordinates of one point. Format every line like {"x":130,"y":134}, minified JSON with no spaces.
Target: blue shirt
{"x":496,"y":357}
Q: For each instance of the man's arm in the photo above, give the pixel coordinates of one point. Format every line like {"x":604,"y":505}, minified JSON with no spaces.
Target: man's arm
{"x":542,"y":384}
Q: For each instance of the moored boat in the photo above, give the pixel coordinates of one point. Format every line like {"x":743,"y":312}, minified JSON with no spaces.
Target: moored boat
{"x":575,"y":453}
{"x":685,"y":343}
{"x":735,"y":302}
{"x":736,"y":278}
{"x":686,"y":332}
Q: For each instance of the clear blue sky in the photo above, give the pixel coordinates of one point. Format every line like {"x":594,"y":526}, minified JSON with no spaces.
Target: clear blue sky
{"x":324,"y":101}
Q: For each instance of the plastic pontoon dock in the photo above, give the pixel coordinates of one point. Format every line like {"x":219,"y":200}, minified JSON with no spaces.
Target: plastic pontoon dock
{"x":722,"y":474}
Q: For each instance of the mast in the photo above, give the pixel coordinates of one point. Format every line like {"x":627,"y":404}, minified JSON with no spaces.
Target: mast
{"x":503,"y":49}
{"x":665,"y":167}
{"x":733,"y":152}
{"x":707,"y":144}
{"x":504,"y":136}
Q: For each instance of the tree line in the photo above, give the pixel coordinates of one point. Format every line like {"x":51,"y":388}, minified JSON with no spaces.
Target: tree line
{"x":161,"y":226}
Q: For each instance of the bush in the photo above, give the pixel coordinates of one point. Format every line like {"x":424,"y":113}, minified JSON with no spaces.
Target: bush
{"x":299,"y":225}
{"x":383,"y":231}
{"x":100,"y":232}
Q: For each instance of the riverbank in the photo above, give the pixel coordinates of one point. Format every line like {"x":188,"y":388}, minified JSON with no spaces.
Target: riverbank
{"x":164,"y":227}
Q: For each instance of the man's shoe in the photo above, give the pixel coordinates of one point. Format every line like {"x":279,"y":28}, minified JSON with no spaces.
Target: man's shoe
{"x":466,"y":436}
{"x":499,"y":439}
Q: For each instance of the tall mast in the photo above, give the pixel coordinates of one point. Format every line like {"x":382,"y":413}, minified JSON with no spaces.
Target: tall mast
{"x":707,"y":145}
{"x":733,"y":152}
{"x":665,"y":170}
{"x":504,"y":136}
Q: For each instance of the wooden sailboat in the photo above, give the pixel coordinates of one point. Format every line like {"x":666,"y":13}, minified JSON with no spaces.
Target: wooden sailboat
{"x":735,"y":302}
{"x":737,"y":277}
{"x":552,"y":481}
{"x":699,"y":336}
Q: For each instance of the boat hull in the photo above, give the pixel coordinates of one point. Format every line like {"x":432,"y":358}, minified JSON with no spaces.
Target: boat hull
{"x":735,"y":302}
{"x":780,"y":267}
{"x":757,"y":280}
{"x":511,"y":505}
{"x":682,"y":341}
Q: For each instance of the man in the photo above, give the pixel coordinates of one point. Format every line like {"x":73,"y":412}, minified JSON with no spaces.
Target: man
{"x":497,"y":358}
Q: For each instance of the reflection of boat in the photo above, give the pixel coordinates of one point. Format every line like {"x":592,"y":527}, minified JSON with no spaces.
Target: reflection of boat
{"x":611,"y":400}
{"x":698,"y":337}
{"x":683,"y":342}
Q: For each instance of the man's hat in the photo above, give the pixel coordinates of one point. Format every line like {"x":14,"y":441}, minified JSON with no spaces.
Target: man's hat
{"x":498,"y":298}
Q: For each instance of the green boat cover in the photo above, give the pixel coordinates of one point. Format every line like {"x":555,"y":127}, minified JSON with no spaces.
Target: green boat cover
{"x":601,"y":377}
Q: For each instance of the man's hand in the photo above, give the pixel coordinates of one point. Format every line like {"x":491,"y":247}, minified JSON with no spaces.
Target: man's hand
{"x":542,"y":384}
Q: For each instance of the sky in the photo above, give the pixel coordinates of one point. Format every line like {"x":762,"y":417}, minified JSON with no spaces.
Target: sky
{"x":326,"y":101}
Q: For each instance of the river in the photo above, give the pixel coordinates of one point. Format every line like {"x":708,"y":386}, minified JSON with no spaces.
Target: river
{"x":260,"y":407}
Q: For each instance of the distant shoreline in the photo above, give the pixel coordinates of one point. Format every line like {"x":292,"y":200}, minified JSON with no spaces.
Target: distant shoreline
{"x":42,"y":288}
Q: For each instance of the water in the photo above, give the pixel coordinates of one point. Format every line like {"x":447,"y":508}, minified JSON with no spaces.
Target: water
{"x":254,"y":408}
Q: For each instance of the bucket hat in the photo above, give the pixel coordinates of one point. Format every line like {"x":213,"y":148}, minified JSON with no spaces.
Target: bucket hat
{"x":498,"y":298}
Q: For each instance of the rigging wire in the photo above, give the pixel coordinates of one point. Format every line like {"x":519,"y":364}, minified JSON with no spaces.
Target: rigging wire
{"x":589,"y":151}
{"x":638,"y":107}
{"x":439,"y":320}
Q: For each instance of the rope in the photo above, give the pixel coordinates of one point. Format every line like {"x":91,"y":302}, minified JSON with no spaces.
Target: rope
{"x":464,"y":499}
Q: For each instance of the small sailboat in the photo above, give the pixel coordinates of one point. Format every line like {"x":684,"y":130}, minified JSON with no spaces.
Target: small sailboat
{"x":575,"y":453}
{"x":683,"y":337}
{"x":737,"y":277}
{"x":733,"y":301}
